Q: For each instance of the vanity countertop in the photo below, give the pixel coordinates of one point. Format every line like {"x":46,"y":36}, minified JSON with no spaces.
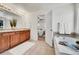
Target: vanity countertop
{"x":68,"y":35}
{"x":13,"y":30}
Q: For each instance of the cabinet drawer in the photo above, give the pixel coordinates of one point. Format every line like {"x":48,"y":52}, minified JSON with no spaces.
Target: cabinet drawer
{"x":7,"y":34}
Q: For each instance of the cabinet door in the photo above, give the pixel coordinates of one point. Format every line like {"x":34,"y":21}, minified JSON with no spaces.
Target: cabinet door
{"x":24,"y":35}
{"x":1,"y":48}
{"x":27,"y":35}
{"x":4,"y":42}
{"x":15,"y":39}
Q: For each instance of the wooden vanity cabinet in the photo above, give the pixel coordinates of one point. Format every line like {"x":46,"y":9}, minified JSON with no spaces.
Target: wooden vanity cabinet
{"x":11,"y":39}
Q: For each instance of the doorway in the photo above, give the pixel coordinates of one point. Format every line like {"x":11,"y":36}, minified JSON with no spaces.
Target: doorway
{"x":48,"y":28}
{"x":41,"y":27}
{"x":45,"y":28}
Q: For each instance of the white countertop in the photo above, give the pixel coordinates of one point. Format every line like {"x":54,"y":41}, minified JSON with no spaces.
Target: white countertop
{"x":12,"y":30}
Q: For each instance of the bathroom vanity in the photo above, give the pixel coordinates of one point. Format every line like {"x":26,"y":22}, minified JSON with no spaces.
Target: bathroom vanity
{"x":13,"y":37}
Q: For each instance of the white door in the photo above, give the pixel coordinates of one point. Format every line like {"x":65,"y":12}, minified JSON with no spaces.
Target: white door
{"x":48,"y":28}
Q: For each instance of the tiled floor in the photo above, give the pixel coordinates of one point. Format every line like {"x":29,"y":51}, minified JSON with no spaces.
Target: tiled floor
{"x":40,"y":48}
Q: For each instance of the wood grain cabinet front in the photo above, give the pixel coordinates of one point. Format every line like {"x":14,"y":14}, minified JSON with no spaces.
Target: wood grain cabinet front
{"x":11,"y":39}
{"x":24,"y":36}
{"x":15,"y":39}
{"x":1,"y":44}
{"x":4,"y":42}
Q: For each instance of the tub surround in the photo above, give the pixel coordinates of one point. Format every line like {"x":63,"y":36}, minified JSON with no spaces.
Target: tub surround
{"x":13,"y":37}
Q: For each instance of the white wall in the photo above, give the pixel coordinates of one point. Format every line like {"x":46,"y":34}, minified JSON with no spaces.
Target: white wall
{"x":63,"y":15}
{"x":77,"y":29}
{"x":77,"y":25}
{"x":33,"y":26}
{"x":23,"y":21}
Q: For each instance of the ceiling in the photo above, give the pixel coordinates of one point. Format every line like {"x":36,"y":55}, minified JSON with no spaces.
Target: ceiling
{"x":33,"y":7}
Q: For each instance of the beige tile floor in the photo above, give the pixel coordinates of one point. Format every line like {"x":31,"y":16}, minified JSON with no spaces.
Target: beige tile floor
{"x":40,"y":48}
